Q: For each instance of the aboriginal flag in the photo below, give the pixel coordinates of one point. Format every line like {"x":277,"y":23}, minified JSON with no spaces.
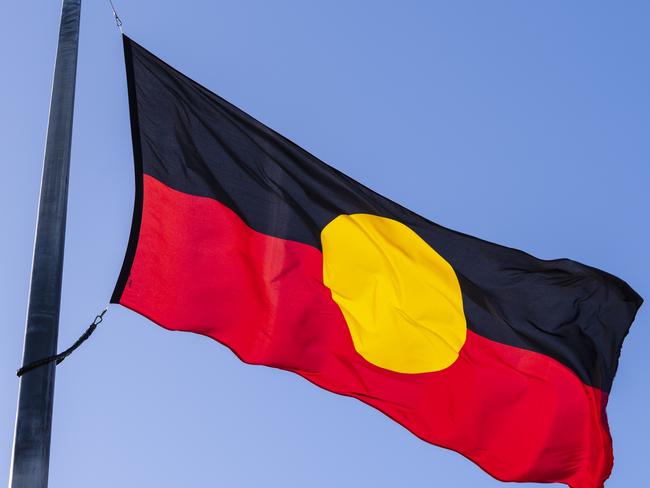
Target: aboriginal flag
{"x":240,"y":235}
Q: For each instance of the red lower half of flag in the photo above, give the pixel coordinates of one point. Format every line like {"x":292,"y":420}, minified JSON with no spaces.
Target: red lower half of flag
{"x":519,"y":414}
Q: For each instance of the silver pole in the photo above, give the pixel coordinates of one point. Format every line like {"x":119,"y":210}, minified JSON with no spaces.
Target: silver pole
{"x":31,"y":450}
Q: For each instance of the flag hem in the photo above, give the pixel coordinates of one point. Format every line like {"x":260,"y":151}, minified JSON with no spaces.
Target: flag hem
{"x":134,"y":234}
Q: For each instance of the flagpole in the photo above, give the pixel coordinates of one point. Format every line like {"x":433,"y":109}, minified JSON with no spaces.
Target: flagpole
{"x":31,"y":449}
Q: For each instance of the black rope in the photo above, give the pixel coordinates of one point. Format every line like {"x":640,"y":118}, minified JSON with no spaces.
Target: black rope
{"x":62,"y":355}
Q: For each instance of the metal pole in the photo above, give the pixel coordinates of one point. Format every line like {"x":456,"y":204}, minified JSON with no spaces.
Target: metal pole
{"x":31,"y":450}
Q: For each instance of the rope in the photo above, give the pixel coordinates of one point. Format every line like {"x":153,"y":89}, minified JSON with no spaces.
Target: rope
{"x":58,"y":358}
{"x":118,"y":21}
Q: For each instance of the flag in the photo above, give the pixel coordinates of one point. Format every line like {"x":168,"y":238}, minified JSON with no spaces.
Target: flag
{"x":242,"y":236}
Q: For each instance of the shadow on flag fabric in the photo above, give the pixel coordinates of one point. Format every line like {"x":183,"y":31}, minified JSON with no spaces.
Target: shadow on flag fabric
{"x":240,"y":235}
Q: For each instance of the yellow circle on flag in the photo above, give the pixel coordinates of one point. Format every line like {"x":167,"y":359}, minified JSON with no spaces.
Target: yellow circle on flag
{"x":401,"y":300}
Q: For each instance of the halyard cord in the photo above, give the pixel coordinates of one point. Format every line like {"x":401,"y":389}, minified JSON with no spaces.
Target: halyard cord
{"x":118,"y":21}
{"x":62,"y":355}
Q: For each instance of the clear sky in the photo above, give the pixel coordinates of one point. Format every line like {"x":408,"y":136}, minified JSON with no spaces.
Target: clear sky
{"x":524,"y":123}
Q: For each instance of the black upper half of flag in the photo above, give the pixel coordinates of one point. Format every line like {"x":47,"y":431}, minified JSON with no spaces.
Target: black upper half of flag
{"x":194,"y":141}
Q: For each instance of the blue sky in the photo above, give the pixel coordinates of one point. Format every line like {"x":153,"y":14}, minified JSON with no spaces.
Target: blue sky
{"x":524,"y":123}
